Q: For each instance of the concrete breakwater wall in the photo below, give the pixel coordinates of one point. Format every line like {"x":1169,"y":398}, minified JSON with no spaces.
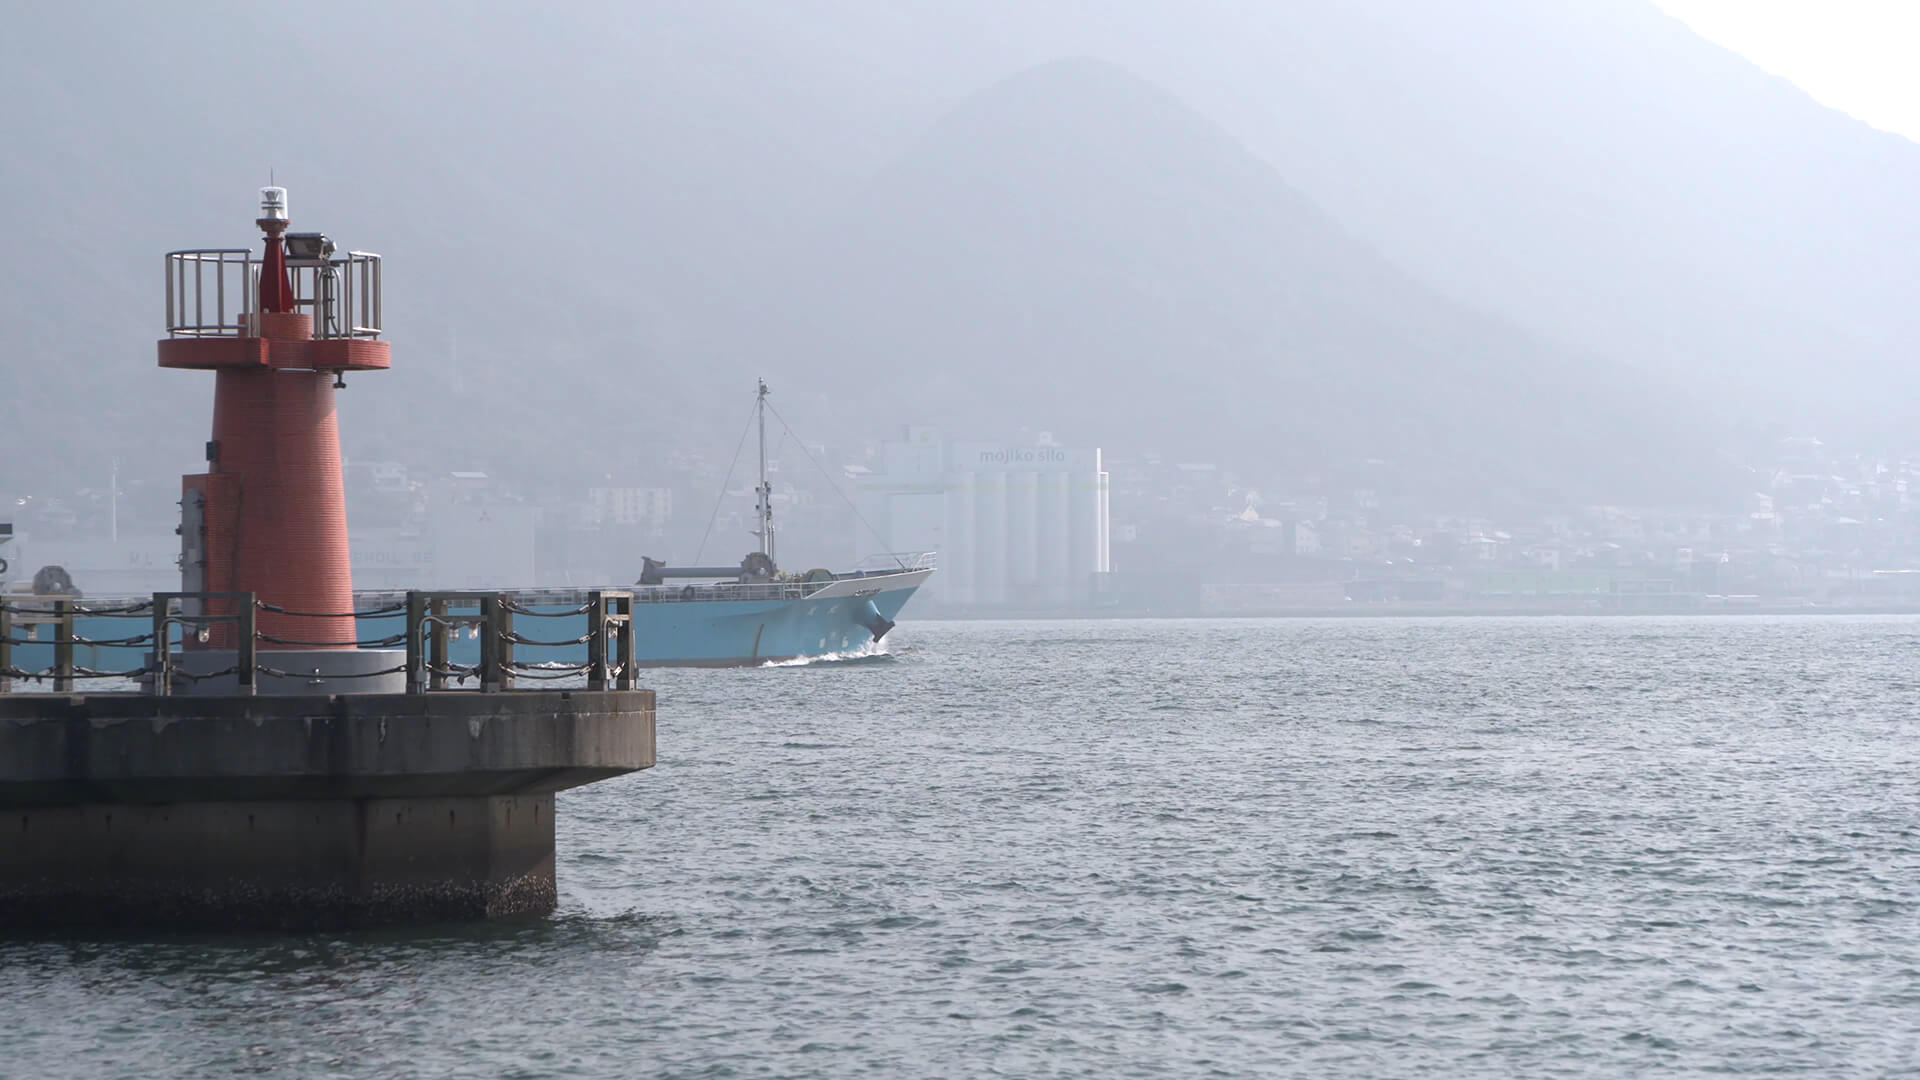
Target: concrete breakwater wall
{"x":326,"y":811}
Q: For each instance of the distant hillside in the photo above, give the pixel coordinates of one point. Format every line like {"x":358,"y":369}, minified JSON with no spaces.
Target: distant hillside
{"x":1075,"y":249}
{"x":1590,"y":169}
{"x":615,"y":214}
{"x":564,"y":196}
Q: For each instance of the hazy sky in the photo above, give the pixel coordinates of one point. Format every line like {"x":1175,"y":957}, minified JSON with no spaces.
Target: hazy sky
{"x":1853,"y":55}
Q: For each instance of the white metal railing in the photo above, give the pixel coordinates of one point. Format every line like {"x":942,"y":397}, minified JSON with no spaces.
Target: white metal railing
{"x":768,"y":590}
{"x":356,"y":306}
{"x":213,"y":293}
{"x":642,"y":594}
{"x":899,"y":560}
{"x":230,"y":305}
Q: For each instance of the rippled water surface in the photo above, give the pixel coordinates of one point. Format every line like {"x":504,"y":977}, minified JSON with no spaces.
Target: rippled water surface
{"x":1239,"y":848}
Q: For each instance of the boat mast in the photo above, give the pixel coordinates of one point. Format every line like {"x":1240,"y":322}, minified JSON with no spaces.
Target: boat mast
{"x":765,"y":490}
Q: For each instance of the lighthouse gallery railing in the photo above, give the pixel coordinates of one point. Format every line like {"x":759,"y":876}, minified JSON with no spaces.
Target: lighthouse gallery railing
{"x":212,"y":292}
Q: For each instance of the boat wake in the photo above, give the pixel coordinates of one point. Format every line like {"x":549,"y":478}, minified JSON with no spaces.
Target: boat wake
{"x":872,"y":651}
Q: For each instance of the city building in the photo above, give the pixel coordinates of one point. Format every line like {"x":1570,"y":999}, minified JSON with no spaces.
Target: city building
{"x":630,"y":506}
{"x":1016,"y":527}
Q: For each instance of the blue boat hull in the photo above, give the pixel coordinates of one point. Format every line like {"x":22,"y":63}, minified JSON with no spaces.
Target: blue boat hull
{"x":695,"y":633}
{"x":673,"y":633}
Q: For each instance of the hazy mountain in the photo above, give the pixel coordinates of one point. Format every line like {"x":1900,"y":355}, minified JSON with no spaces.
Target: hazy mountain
{"x":1074,"y":248}
{"x":600,"y":217}
{"x":1591,"y":169}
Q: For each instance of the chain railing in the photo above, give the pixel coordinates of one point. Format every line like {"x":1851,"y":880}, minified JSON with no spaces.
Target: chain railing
{"x":162,"y":665}
{"x":432,"y":618}
{"x":28,"y":616}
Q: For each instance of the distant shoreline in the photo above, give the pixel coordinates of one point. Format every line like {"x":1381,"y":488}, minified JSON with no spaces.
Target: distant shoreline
{"x":1404,"y":612}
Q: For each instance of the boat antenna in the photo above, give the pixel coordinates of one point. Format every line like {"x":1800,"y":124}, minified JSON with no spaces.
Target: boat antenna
{"x":851,"y":505}
{"x":721,"y":497}
{"x":765,"y":490}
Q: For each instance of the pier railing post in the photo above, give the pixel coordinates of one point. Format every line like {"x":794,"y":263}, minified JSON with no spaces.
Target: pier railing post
{"x":6,"y":647}
{"x":162,"y":647}
{"x":437,"y":642}
{"x":489,"y":645}
{"x":596,"y":640}
{"x":623,"y":606}
{"x":63,"y":646}
{"x":246,"y":635}
{"x":416,"y":617}
{"x":503,"y":627}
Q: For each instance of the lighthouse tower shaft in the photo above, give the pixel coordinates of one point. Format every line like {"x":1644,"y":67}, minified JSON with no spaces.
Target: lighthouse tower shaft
{"x":269,"y":515}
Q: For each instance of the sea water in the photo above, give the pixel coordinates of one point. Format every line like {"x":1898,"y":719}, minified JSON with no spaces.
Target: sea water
{"x":1329,"y":848}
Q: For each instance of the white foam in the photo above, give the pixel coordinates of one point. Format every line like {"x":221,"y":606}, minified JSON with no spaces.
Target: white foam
{"x":865,"y":652}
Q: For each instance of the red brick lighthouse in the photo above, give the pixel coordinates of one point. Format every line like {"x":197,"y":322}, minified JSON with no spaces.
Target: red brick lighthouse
{"x":269,"y":514}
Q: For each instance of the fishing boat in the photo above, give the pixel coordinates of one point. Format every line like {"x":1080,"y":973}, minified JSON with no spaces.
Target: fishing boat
{"x":754,"y":612}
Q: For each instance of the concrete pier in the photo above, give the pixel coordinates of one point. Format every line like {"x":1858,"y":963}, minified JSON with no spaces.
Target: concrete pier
{"x":329,"y":811}
{"x":274,"y":771}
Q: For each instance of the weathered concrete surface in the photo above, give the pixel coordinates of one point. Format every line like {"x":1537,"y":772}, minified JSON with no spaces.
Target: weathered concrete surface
{"x":131,"y":748}
{"x":276,"y":865}
{"x":295,"y":812}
